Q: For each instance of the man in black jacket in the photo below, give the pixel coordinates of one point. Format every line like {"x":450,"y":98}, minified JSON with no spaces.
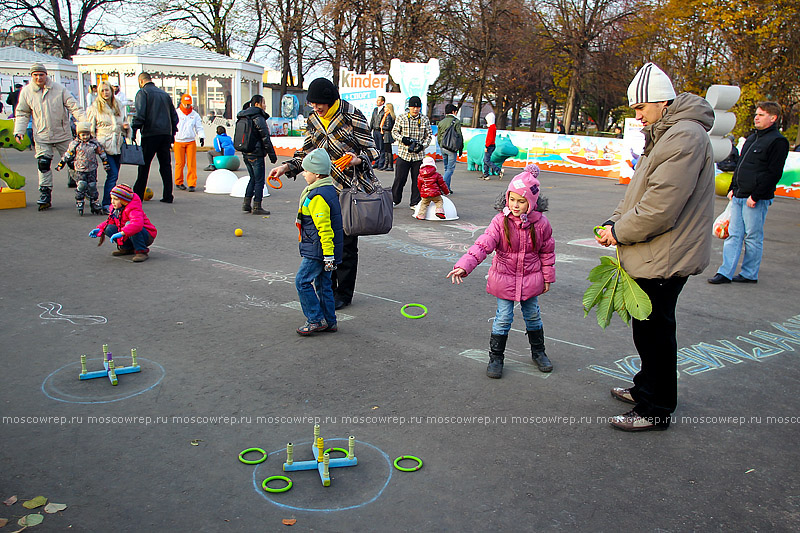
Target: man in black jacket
{"x":377,"y":135}
{"x":157,"y":119}
{"x":751,"y":192}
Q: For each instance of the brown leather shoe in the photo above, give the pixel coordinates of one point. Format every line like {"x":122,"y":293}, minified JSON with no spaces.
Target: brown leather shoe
{"x":140,"y":258}
{"x":623,"y":395}
{"x":632,"y":421}
{"x":122,"y":251}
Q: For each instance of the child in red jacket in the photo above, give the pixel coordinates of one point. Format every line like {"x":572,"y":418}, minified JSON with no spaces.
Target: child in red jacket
{"x":127,"y":225}
{"x":431,"y":188}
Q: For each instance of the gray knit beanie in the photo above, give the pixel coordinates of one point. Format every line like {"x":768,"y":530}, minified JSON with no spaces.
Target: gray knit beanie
{"x":317,"y":161}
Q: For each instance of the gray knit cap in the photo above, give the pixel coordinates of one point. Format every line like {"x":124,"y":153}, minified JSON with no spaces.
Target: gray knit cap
{"x":317,"y":161}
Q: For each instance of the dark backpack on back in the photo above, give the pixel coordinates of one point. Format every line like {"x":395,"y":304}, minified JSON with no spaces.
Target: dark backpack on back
{"x":245,"y":137}
{"x":452,"y":140}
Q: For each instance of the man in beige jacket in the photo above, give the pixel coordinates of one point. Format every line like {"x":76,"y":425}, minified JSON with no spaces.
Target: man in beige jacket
{"x":662,"y":229}
{"x":50,"y":104}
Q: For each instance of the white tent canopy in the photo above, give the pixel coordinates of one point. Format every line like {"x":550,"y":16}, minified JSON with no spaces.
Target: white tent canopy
{"x":219,"y":84}
{"x":15,"y":64}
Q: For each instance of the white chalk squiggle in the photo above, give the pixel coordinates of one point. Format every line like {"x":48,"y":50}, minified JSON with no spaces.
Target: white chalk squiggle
{"x":52,"y":311}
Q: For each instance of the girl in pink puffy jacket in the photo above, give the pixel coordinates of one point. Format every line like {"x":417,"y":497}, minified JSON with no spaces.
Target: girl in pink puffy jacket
{"x":523,"y":267}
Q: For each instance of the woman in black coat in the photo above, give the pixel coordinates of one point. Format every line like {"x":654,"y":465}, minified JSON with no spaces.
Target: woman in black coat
{"x":387,"y":123}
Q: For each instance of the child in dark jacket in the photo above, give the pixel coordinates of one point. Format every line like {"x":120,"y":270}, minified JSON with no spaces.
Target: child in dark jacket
{"x":431,"y":186}
{"x":83,"y":153}
{"x":127,"y":225}
{"x":319,"y":219}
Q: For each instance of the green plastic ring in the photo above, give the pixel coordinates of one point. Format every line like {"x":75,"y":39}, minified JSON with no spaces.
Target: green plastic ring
{"x":329,"y":450}
{"x":257,"y":461}
{"x":272,"y":478}
{"x":597,"y":228}
{"x":403,"y":310}
{"x":414,"y":469}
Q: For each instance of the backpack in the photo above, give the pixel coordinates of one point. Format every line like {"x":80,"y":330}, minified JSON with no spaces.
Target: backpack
{"x":452,"y":140}
{"x":245,"y":138}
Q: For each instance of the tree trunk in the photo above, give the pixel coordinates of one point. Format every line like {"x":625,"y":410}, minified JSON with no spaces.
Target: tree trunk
{"x":572,"y":96}
{"x":536,"y":106}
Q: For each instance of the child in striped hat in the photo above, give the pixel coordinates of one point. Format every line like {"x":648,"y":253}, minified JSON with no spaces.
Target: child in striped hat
{"x":127,"y":225}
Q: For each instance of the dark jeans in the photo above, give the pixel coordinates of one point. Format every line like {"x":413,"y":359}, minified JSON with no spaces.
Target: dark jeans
{"x":488,"y":164}
{"x":257,"y":170}
{"x":401,"y":170}
{"x":138,"y":243}
{"x":655,"y":386}
{"x":155,"y":145}
{"x":377,"y":136}
{"x":317,"y":304}
{"x":111,"y":179}
{"x":344,"y":277}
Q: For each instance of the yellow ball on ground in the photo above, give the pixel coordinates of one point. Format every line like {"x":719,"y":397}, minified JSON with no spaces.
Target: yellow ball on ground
{"x":238,"y":232}
{"x":148,"y":194}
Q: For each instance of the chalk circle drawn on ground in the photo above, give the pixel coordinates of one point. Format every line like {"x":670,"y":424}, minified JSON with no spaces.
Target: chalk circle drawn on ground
{"x":267,"y":488}
{"x":300,"y":451}
{"x":405,"y":314}
{"x":410,"y":458}
{"x":52,"y":311}
{"x":253,"y":461}
{"x":275,"y":179}
{"x":64,"y":385}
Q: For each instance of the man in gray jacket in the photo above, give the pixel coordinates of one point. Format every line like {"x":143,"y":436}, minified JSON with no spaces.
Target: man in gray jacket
{"x":662,"y":229}
{"x":50,"y":105}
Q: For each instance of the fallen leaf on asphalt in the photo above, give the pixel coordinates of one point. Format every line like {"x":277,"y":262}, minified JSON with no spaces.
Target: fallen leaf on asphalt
{"x":3,"y":521}
{"x":35,"y":502}
{"x":374,"y":407}
{"x":54,"y":507}
{"x":196,"y":442}
{"x":289,"y":521}
{"x":31,"y":520}
{"x":11,"y":501}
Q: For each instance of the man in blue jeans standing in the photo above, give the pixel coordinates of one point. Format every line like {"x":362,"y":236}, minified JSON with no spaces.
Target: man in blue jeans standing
{"x":751,"y":193}
{"x":449,"y":121}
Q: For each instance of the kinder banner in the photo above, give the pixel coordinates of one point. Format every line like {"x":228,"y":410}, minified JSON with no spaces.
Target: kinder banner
{"x":362,"y":90}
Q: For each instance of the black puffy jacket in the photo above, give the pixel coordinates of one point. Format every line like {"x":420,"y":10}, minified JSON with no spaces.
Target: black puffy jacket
{"x":760,"y":165}
{"x":259,"y":118}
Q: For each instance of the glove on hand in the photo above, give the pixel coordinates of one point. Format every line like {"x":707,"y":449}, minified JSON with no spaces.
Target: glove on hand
{"x":117,"y":238}
{"x":329,"y":265}
{"x":94,"y":233}
{"x":406,"y":140}
{"x":202,"y":141}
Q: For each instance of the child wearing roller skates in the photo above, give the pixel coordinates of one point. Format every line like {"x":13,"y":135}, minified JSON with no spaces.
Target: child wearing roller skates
{"x":83,"y":152}
{"x":522,"y":269}
{"x":127,"y":225}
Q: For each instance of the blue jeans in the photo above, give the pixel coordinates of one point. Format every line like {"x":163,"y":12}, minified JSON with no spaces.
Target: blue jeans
{"x":505,"y":315}
{"x":449,"y":165}
{"x":111,"y":179}
{"x":256,"y":169}
{"x":316,"y":305}
{"x":746,"y":226}
{"x":138,"y":243}
{"x":488,"y":163}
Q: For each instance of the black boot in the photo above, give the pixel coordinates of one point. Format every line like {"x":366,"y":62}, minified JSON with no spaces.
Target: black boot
{"x":246,"y":205}
{"x":390,"y":166}
{"x":497,"y":348}
{"x":536,"y":338}
{"x":44,"y":198}
{"x":257,"y":209}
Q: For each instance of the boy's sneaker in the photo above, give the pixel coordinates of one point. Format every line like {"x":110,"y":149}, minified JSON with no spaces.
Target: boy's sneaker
{"x":418,"y":217}
{"x":140,"y":257}
{"x":181,"y":186}
{"x":333,"y":328}
{"x":122,"y":251}
{"x":210,"y":168}
{"x":309,"y":328}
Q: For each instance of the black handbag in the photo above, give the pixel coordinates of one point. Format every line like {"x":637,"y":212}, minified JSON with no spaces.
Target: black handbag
{"x":366,"y":213}
{"x":452,"y":140}
{"x":131,"y":154}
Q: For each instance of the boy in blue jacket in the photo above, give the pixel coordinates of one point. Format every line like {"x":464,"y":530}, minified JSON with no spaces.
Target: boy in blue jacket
{"x":319,"y":219}
{"x":223,"y":145}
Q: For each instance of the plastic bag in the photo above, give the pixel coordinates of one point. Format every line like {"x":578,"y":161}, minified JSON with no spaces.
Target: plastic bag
{"x":720,"y":227}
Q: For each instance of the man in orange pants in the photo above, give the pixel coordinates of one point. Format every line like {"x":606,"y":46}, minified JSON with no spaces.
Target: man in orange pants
{"x":189,"y":127}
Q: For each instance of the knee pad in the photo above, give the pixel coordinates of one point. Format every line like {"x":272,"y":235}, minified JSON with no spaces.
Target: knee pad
{"x":81,"y":186}
{"x":44,"y":163}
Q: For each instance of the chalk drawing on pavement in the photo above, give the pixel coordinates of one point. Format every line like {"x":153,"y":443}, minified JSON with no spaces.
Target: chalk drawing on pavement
{"x":52,"y":311}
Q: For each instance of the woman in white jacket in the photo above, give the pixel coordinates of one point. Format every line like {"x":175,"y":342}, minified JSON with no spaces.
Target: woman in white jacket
{"x":109,"y":127}
{"x":189,"y":127}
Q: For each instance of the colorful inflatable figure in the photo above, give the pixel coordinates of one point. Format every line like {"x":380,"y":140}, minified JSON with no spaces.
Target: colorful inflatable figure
{"x":504,"y":149}
{"x":13,"y":179}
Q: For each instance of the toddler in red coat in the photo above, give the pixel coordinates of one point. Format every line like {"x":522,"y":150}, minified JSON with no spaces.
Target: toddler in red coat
{"x":431,"y":188}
